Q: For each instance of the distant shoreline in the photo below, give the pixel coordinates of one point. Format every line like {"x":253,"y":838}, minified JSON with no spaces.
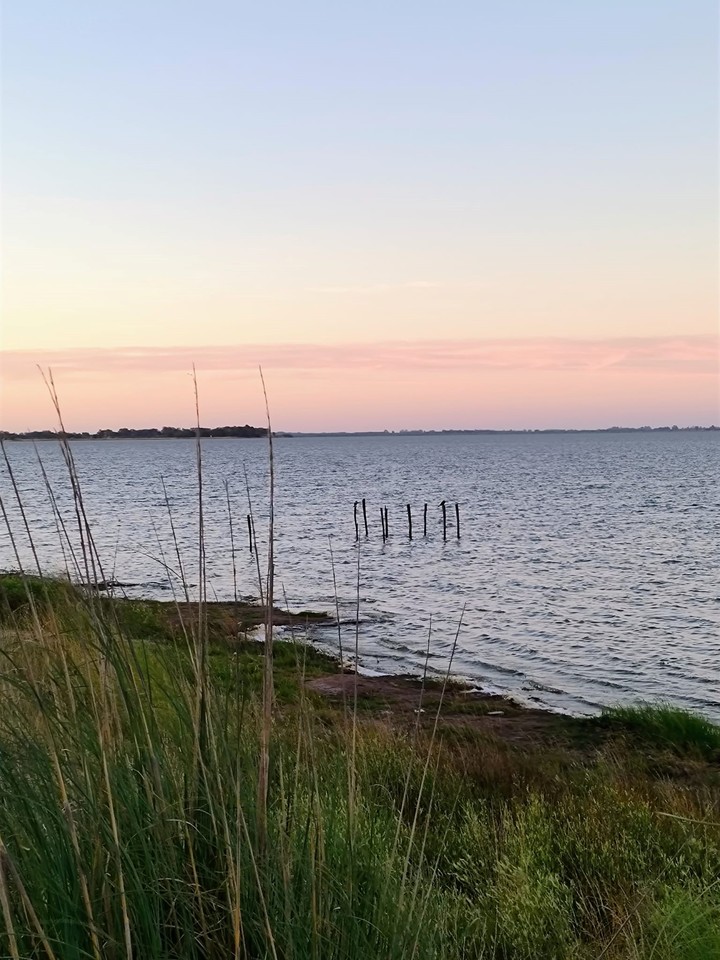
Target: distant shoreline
{"x":233,"y":433}
{"x":149,"y":433}
{"x":489,"y":432}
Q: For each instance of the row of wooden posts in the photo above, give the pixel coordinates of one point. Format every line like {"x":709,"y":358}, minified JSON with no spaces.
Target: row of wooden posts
{"x":383,"y":521}
{"x":386,"y":526}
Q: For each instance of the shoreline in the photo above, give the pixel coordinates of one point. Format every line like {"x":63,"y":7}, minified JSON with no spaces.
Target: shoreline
{"x":227,"y":620}
{"x":407,"y":703}
{"x":237,"y":625}
{"x":456,"y":706}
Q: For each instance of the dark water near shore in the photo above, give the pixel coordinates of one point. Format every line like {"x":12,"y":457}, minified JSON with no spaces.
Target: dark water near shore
{"x":588,"y":566}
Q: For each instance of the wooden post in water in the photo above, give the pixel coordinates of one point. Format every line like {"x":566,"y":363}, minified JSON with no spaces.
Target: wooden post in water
{"x":444,"y":520}
{"x":425,"y":520}
{"x":409,"y":522}
{"x":382,"y":523}
{"x":365,"y":516}
{"x":250,"y":536}
{"x":387,"y":525}
{"x":457,"y":519}
{"x":357,"y":531}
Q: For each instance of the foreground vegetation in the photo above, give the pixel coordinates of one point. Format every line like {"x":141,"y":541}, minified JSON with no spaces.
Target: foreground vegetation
{"x":132,"y":821}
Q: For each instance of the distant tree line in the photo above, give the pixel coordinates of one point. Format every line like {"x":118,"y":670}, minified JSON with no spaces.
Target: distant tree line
{"x":489,"y":432}
{"x":149,"y":433}
{"x":187,"y":433}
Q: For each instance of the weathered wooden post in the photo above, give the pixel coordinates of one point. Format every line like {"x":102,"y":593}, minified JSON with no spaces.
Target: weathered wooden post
{"x":382,"y":523}
{"x":444,"y":511}
{"x":387,"y":525}
{"x":425,"y":520}
{"x":357,"y":532}
{"x":409,"y":522}
{"x":457,"y":519}
{"x":365,"y":516}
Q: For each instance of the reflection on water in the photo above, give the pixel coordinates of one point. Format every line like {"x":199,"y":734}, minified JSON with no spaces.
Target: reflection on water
{"x":587,"y":567}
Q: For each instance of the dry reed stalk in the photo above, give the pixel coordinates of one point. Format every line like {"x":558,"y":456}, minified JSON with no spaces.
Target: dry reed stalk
{"x":353,"y":751}
{"x":232,"y":857}
{"x":37,"y":627}
{"x":238,"y":932}
{"x":253,"y":538}
{"x":198,"y":770}
{"x":60,"y":526}
{"x":232,"y":554}
{"x":416,"y":734}
{"x":267,"y":689}
{"x":337,"y":609}
{"x":261,"y":894}
{"x":31,"y":674}
{"x":197,"y":889}
{"x":183,"y":578}
{"x":5,"y":905}
{"x":107,"y":718}
{"x":181,"y":619}
{"x":232,"y":861}
{"x":201,"y":638}
{"x":103,"y":727}
{"x":301,"y":696}
{"x":26,"y":902}
{"x":283,"y":851}
{"x":40,"y":633}
{"x":91,"y":558}
{"x":72,"y":827}
{"x":21,"y":507}
{"x":423,"y":779}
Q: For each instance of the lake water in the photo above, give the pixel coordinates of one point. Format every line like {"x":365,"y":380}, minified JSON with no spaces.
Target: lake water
{"x":588,"y":565}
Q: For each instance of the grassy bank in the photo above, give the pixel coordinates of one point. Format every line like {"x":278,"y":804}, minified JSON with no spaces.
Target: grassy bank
{"x":403,"y":819}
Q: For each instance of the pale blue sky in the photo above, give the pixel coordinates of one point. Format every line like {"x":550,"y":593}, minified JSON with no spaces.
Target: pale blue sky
{"x":289,"y":153}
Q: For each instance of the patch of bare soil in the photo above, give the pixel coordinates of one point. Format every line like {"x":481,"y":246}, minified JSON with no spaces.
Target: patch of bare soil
{"x":398,"y":699}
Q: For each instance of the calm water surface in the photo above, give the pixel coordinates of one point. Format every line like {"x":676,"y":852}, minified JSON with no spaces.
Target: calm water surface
{"x":588,"y":567}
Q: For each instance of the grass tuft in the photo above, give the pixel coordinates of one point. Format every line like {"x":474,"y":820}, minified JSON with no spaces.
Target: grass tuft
{"x":666,"y":726}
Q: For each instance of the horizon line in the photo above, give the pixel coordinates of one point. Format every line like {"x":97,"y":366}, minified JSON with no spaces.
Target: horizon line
{"x":206,"y":433}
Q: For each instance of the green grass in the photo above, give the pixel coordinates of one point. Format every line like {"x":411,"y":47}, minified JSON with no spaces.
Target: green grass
{"x":19,"y":593}
{"x":666,"y":726}
{"x":685,"y":925}
{"x":130,"y":828}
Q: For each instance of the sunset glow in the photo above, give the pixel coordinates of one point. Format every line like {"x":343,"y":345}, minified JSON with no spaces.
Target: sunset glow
{"x":394,"y":385}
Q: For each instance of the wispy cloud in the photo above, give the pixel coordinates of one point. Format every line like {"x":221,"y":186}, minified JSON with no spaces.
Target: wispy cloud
{"x":698,"y":354}
{"x":374,"y":288}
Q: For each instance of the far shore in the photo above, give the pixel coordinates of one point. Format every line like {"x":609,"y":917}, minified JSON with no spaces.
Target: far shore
{"x":248,"y":432}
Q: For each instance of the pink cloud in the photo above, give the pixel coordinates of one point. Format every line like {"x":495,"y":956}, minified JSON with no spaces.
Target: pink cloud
{"x":536,"y":382}
{"x":681,"y":354}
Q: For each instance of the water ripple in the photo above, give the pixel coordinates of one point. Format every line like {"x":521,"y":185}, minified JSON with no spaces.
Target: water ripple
{"x":587,"y":568}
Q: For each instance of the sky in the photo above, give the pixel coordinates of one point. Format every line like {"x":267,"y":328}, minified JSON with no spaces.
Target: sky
{"x":412,"y":215}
